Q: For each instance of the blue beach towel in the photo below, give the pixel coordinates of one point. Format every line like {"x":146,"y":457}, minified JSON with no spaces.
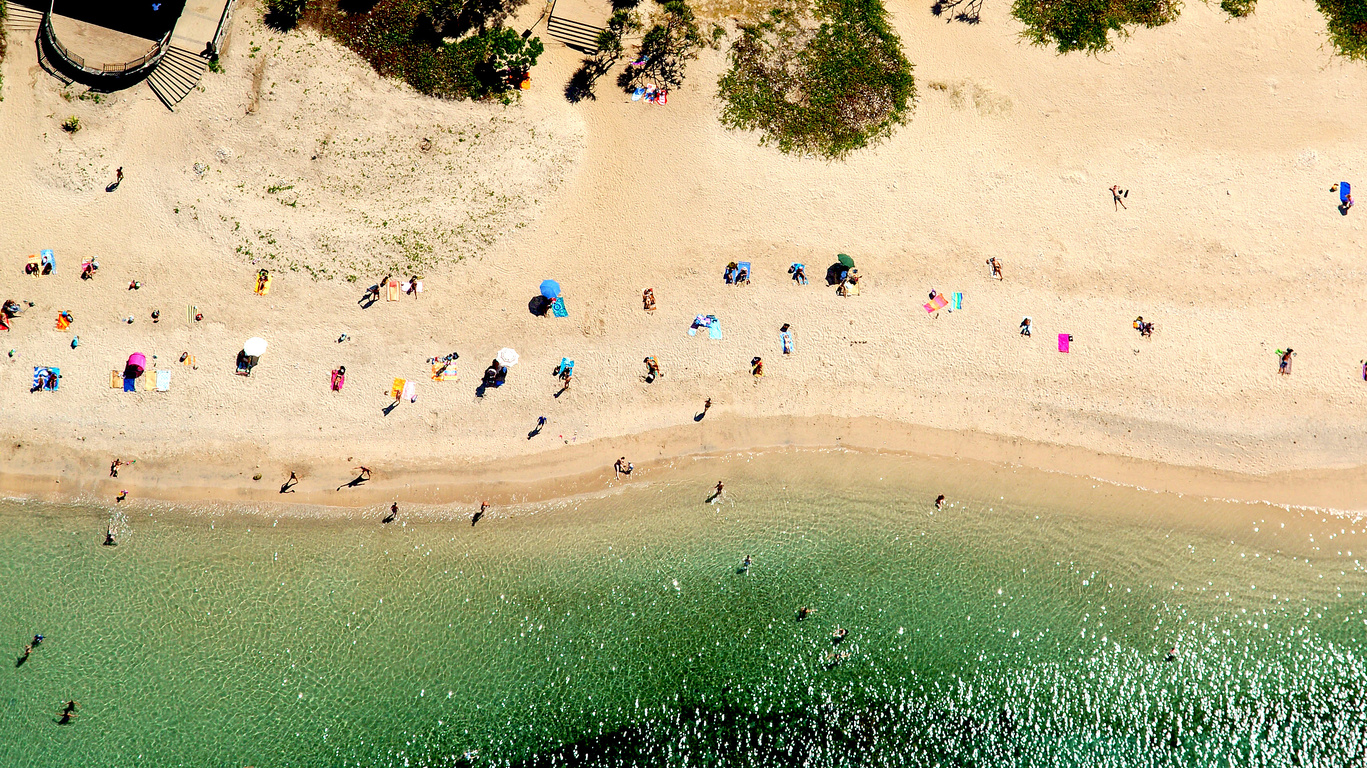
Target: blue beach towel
{"x":40,"y":378}
{"x":129,"y":385}
{"x":958,"y":301}
{"x":566,"y":367}
{"x":744,"y":267}
{"x":48,"y":259}
{"x":1345,"y":189}
{"x":558,"y":307}
{"x":714,"y":330}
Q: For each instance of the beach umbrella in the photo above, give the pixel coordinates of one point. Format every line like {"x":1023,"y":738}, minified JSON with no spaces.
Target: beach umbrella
{"x":550,"y":289}
{"x":845,"y":260}
{"x":507,"y":357}
{"x":137,"y":360}
{"x":254,"y":346}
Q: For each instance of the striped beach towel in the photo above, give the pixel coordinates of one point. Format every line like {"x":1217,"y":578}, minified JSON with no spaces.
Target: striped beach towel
{"x":937,"y":303}
{"x":959,"y":300}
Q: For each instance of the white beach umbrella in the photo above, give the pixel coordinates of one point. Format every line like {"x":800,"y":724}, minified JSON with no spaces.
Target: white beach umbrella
{"x":507,"y":357}
{"x":255,"y":346}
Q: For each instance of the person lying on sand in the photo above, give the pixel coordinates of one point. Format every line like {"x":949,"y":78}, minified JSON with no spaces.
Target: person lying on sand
{"x":1284,"y":367}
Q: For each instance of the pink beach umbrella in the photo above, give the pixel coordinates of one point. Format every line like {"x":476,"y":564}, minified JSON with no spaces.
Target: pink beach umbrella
{"x":137,"y":360}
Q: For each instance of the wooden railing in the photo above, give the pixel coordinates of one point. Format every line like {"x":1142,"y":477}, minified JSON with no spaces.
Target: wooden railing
{"x":216,"y":46}
{"x":103,"y":71}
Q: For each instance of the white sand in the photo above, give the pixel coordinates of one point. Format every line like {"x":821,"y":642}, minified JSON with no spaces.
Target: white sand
{"x":1228,"y":134}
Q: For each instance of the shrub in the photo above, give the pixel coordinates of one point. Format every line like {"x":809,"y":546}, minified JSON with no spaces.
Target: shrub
{"x":667,"y":47}
{"x":1238,"y":8}
{"x":282,"y":15}
{"x":1086,"y":25}
{"x":829,"y":80}
{"x":610,"y":51}
{"x":408,"y":39}
{"x":1347,"y":21}
{"x":71,"y":124}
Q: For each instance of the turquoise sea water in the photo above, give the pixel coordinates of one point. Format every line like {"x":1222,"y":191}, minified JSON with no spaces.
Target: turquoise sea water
{"x":1028,"y":624}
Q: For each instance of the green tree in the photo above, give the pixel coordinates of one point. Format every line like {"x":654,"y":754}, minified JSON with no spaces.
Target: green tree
{"x":667,"y":47}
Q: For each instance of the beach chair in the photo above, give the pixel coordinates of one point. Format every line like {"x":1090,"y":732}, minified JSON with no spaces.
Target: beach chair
{"x":558,"y":307}
{"x":743,"y":273}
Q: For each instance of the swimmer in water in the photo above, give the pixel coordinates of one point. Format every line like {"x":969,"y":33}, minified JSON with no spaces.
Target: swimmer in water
{"x":839,"y":634}
{"x":68,"y":712}
{"x":940,"y":501}
{"x":1172,"y":654}
{"x":803,"y":612}
{"x":109,"y":538}
{"x":37,"y":640}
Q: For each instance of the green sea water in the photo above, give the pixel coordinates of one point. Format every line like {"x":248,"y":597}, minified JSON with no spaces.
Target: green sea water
{"x":1026,"y":624}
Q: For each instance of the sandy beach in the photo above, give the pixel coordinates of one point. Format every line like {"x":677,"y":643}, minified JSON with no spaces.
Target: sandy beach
{"x":300,"y":159}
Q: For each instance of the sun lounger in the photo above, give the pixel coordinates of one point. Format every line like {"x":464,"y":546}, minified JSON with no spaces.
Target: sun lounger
{"x":558,"y":307}
{"x":1064,"y":340}
{"x":936,"y":304}
{"x":958,"y":300}
{"x":393,"y":290}
{"x":163,"y":381}
{"x":396,"y":389}
{"x":40,"y":377}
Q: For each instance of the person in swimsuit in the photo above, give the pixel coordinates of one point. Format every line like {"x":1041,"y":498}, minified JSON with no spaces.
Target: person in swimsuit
{"x":1284,"y":367}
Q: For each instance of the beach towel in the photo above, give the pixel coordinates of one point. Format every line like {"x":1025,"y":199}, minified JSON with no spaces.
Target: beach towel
{"x":396,"y":389}
{"x":163,"y":381}
{"x":62,"y":322}
{"x":115,"y":379}
{"x":714,"y":329}
{"x":444,"y":372}
{"x":32,"y":260}
{"x":1064,"y":339}
{"x":638,"y":93}
{"x":393,"y":289}
{"x":40,"y":375}
{"x":558,"y":307}
{"x":958,"y":300}
{"x":263,"y":287}
{"x":937,"y":303}
{"x":338,"y":380}
{"x":129,"y":385}
{"x":409,"y":392}
{"x":743,"y":272}
{"x":566,"y":367}
{"x":49,"y":261}
{"x":1345,"y":189}
{"x":189,"y":361}
{"x":700,"y":321}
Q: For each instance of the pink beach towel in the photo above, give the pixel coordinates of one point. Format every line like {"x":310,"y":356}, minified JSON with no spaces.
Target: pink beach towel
{"x":1064,"y":339}
{"x":937,"y":303}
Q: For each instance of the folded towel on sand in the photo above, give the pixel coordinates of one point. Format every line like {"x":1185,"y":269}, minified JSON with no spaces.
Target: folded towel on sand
{"x":958,"y":300}
{"x":396,"y":389}
{"x":115,"y":379}
{"x":558,"y":307}
{"x":393,"y":290}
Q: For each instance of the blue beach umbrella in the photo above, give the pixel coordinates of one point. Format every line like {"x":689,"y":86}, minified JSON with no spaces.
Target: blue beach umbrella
{"x":550,"y":289}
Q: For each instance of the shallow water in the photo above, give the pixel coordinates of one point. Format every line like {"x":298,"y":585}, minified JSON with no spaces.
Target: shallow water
{"x":1028,"y":623}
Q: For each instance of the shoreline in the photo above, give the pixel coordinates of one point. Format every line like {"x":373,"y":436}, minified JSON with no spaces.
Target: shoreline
{"x":209,"y":483}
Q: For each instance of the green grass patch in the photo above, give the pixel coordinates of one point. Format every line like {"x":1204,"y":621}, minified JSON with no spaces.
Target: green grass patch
{"x":1087,"y":25}
{"x":828,"y":78}
{"x":1347,"y":26}
{"x":444,"y":48}
{"x":1238,"y":8}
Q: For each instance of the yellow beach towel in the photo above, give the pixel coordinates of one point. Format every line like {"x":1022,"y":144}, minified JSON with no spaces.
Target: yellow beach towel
{"x":444,"y":372}
{"x":115,"y":380}
{"x":263,"y":287}
{"x":396,"y":389}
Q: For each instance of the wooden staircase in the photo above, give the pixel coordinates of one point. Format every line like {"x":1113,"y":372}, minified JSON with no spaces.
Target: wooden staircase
{"x":575,"y":34}
{"x":178,"y":73}
{"x":23,"y":20}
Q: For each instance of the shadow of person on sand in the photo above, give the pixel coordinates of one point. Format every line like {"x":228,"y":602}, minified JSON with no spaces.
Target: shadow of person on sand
{"x":388,"y":409}
{"x":355,"y":482}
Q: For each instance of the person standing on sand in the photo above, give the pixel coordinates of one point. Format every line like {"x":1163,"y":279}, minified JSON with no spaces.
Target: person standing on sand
{"x":706,"y":404}
{"x":365,"y":472}
{"x":1025,"y":327}
{"x":114,"y":468}
{"x":996,"y":267}
{"x":1117,"y":194}
{"x":618,"y":468}
{"x":1284,"y":367}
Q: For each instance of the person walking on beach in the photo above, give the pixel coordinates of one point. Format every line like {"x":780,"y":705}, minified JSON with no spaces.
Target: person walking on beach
{"x":1025,"y":327}
{"x":483,"y":506}
{"x":122,"y":495}
{"x":1284,"y":367}
{"x":393,"y":513}
{"x":1116,"y":194}
{"x":706,"y":405}
{"x":114,"y":468}
{"x":365,"y":472}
